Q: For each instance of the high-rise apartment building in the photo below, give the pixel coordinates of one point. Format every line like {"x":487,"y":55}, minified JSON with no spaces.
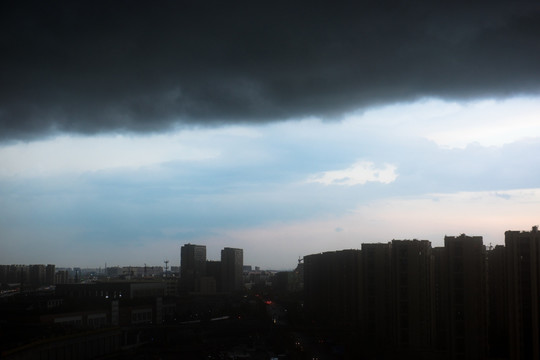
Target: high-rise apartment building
{"x":348,"y":285}
{"x":318,"y":286}
{"x":232,"y":262}
{"x":376,"y":311}
{"x":192,"y":266}
{"x":440,"y":301}
{"x":523,"y":271}
{"x":465,"y":286}
{"x":37,"y":275}
{"x":411,"y":295}
{"x":49,"y":274}
{"x":413,"y":301}
{"x":14,"y":273}
{"x":498,"y":334}
{"x":332,"y":286}
{"x":61,"y":277}
{"x":213,"y":271}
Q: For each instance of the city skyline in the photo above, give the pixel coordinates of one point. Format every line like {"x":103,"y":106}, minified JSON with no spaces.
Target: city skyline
{"x":204,"y":259}
{"x":403,"y":298}
{"x":283,"y":129}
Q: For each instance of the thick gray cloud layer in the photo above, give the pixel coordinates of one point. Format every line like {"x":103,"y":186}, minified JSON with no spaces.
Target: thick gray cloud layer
{"x":94,"y":66}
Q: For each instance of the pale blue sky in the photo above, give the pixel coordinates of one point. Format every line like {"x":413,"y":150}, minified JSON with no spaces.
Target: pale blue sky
{"x":279,"y":191}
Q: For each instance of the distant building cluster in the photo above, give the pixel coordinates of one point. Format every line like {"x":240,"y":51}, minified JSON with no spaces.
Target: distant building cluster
{"x":257,"y":277}
{"x":134,"y":272}
{"x":32,"y":275}
{"x":199,"y":275}
{"x":106,"y":311}
{"x":460,"y":301}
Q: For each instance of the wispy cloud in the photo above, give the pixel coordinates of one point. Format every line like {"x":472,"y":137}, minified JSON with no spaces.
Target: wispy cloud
{"x":358,"y":174}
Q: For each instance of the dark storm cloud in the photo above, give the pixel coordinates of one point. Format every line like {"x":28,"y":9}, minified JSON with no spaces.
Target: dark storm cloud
{"x":92,"y":66}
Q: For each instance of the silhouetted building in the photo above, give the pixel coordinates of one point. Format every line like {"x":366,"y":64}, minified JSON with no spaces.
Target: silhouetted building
{"x":49,"y":274}
{"x":192,"y":266}
{"x":280,"y":282}
{"x":232,"y":263}
{"x":30,"y":275}
{"x":523,"y":268}
{"x":3,"y":274}
{"x":318,"y":286}
{"x":440,"y":301}
{"x":298,"y":281}
{"x":11,"y":274}
{"x":332,"y":287}
{"x":347,"y":278}
{"x":376,"y":313}
{"x":213,"y":270}
{"x":498,"y":335}
{"x":412,"y":295}
{"x":289,"y":281}
{"x":466,"y":289}
{"x":61,"y":277}
{"x":37,"y":275}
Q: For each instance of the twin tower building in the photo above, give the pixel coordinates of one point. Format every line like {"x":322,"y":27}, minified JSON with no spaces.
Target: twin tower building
{"x":199,"y":275}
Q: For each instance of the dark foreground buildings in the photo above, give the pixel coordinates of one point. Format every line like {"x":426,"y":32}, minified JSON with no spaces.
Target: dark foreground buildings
{"x":397,"y":300}
{"x":406,"y":299}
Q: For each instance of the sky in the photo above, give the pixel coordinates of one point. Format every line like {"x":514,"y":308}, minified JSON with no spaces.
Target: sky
{"x":128,"y":129}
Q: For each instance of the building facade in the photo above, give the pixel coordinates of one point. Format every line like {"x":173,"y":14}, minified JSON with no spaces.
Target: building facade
{"x":192,"y":266}
{"x":523,"y":277}
{"x":332,"y":286}
{"x":412,"y":275}
{"x":376,"y":311}
{"x":232,"y":263}
{"x":465,"y":285}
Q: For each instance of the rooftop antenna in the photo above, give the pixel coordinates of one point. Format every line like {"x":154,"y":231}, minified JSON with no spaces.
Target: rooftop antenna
{"x":166,"y":266}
